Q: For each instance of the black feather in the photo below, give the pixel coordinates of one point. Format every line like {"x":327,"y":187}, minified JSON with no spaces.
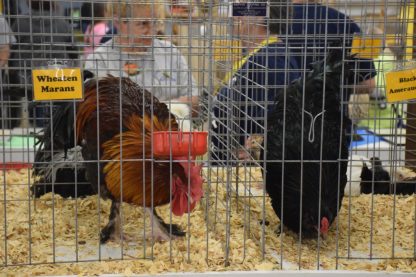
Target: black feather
{"x":377,"y":176}
{"x":52,"y":169}
{"x":377,"y":181}
{"x":405,"y":187}
{"x":57,"y":136}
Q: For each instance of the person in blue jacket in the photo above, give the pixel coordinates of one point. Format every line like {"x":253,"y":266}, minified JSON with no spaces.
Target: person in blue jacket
{"x":315,"y":27}
{"x":249,"y":91}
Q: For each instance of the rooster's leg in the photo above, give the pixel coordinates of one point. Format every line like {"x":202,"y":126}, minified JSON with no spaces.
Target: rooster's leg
{"x":111,"y":230}
{"x":161,"y":230}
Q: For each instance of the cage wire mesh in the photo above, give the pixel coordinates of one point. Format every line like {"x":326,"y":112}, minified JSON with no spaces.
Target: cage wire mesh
{"x":287,"y":108}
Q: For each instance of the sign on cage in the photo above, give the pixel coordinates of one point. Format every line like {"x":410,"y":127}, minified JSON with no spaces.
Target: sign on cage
{"x":401,"y":85}
{"x":250,"y":9}
{"x":57,"y":81}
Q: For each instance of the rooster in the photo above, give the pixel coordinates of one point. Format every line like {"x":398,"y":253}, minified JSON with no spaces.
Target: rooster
{"x":63,"y":172}
{"x":120,"y":129}
{"x":307,"y":148}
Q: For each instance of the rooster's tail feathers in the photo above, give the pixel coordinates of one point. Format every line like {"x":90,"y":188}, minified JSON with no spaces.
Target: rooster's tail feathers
{"x":58,"y":134}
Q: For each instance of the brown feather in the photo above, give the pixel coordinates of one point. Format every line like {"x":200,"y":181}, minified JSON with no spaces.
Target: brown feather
{"x":136,"y":171}
{"x":141,"y":115}
{"x":85,"y":110}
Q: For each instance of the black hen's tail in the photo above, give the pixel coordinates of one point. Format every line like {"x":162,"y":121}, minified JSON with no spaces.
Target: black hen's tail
{"x":58,"y":160}
{"x":58,"y":136}
{"x":334,"y":70}
{"x":331,"y":78}
{"x":57,"y":166}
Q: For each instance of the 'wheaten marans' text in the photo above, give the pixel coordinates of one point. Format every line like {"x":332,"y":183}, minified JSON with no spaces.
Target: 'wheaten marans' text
{"x":46,"y":78}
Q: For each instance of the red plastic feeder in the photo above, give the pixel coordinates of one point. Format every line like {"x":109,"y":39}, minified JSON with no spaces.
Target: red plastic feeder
{"x":180,"y":143}
{"x":14,"y":166}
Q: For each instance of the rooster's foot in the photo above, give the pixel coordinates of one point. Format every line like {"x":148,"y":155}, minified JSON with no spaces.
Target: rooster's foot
{"x":115,"y":237}
{"x":111,"y":233}
{"x":163,"y":231}
{"x":158,"y":236}
{"x":111,"y":230}
{"x":166,"y":232}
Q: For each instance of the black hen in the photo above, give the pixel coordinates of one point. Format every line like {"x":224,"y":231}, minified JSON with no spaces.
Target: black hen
{"x":309,"y":134}
{"x":378,"y":177}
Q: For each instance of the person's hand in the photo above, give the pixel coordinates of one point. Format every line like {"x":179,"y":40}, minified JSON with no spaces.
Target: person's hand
{"x":366,"y":86}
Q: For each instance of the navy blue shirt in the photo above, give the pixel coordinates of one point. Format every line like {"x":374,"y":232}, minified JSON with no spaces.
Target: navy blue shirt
{"x":315,"y":27}
{"x":240,"y":106}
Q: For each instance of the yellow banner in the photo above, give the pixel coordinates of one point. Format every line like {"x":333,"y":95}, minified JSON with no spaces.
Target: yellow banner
{"x":401,"y":85}
{"x":366,"y":48}
{"x":240,"y":62}
{"x":57,"y":84}
{"x":407,"y":18}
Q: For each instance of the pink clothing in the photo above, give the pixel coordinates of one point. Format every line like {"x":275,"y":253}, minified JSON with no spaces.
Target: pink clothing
{"x":93,"y":36}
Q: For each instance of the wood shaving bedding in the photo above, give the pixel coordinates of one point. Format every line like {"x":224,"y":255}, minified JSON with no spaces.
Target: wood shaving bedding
{"x":40,"y":219}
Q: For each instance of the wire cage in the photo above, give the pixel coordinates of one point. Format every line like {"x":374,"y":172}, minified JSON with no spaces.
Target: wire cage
{"x":283,"y":143}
